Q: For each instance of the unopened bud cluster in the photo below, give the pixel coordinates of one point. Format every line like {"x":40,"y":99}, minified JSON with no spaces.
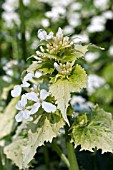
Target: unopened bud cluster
{"x":58,"y":43}
{"x":63,"y":69}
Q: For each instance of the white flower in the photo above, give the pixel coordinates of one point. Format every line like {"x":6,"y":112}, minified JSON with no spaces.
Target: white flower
{"x":57,"y":67}
{"x":45,"y":23}
{"x":42,"y":35}
{"x":18,"y":88}
{"x":91,"y":56}
{"x":80,"y":38}
{"x":48,"y":107}
{"x":56,"y":12}
{"x":68,"y":29}
{"x":94,"y":82}
{"x":77,"y":99}
{"x":24,"y":113}
{"x":101,"y":4}
{"x":97,"y":24}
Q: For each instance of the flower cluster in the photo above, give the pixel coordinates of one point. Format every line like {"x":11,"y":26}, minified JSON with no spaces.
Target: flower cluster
{"x":55,"y":43}
{"x":63,"y":69}
{"x":55,"y":59}
{"x":38,"y":99}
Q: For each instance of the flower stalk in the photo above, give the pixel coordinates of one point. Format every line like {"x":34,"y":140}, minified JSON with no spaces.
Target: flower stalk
{"x":70,"y":149}
{"x":61,"y":154}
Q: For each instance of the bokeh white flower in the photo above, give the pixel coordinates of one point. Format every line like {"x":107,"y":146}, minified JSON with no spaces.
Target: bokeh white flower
{"x":94,"y":82}
{"x":91,"y":56}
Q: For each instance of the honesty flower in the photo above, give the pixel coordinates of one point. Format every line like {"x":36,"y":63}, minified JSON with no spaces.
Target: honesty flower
{"x":18,"y":88}
{"x":42,"y":35}
{"x":48,"y":107}
{"x":24,"y":113}
{"x":94,"y":82}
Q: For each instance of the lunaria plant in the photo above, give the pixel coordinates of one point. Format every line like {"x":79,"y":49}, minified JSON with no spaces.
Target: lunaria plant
{"x":44,"y":105}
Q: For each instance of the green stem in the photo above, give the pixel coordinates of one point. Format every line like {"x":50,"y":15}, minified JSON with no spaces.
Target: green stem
{"x":22,"y":29}
{"x":60,"y":153}
{"x":46,"y":157}
{"x":70,"y":150}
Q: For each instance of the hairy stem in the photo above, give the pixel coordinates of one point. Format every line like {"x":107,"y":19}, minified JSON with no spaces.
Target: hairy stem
{"x":70,"y":150}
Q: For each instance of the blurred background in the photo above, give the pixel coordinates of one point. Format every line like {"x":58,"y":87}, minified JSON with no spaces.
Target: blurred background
{"x":86,"y":21}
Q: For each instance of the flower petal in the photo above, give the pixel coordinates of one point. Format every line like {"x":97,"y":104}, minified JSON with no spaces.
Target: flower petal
{"x":16,"y":91}
{"x":50,"y":36}
{"x":26,"y":114}
{"x":19,"y":116}
{"x":48,"y":107}
{"x":44,"y":94}
{"x":25,"y":84}
{"x":28,"y":77}
{"x":42,"y":34}
{"x":35,"y":108}
{"x":38,"y":74}
{"x":32,"y":96}
{"x":19,"y":105}
{"x":23,"y":100}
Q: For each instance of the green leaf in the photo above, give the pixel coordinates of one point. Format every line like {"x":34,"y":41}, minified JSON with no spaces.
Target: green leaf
{"x":46,"y":55}
{"x":103,"y":95}
{"x":62,"y":88}
{"x":107,"y":73}
{"x":47,"y":67}
{"x":94,"y":130}
{"x":43,"y":129}
{"x":94,"y":47}
{"x":7,"y":118}
{"x":13,"y":151}
{"x":78,"y":52}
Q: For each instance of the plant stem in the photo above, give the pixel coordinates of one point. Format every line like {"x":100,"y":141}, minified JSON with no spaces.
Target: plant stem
{"x":60,"y":153}
{"x":22,"y":30}
{"x":70,"y":150}
{"x":46,"y":157}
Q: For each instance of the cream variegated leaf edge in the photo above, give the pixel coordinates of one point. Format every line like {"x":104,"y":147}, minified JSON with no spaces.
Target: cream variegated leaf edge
{"x":97,"y":132}
{"x":43,"y":129}
{"x":13,"y":151}
{"x":7,"y":118}
{"x":62,"y":88}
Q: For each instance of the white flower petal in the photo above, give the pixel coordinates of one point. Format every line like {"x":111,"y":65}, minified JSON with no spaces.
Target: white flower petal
{"x":35,"y":108}
{"x":38,"y":74}
{"x":25,"y":84}
{"x":19,"y":116}
{"x":28,"y":77}
{"x":42,"y":34}
{"x":19,"y":105}
{"x":48,"y":107}
{"x":23,"y":100}
{"x":32,"y":96}
{"x":58,"y":68}
{"x":59,"y":34}
{"x":44,"y":94}
{"x":50,"y":36}
{"x":16,"y":91}
{"x":26,"y":114}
